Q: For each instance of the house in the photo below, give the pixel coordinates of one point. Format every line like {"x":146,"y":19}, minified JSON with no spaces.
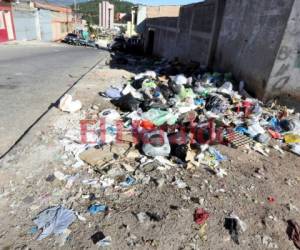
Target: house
{"x":26,"y":20}
{"x":7,"y":30}
{"x":141,"y":13}
{"x":54,"y":21}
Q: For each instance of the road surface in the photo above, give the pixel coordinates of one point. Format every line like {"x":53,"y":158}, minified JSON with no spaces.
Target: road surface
{"x":32,"y":77}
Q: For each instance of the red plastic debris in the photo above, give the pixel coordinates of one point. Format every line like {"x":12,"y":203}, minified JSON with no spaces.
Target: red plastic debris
{"x":271,"y":199}
{"x":200,"y":216}
{"x":147,"y":124}
{"x":274,"y":134}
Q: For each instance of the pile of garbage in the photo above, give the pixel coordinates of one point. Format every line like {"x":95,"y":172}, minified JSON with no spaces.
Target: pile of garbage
{"x":172,"y":116}
{"x":161,"y":122}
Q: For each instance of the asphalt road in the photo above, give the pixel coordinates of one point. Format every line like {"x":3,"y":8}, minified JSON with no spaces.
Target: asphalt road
{"x":31,"y":78}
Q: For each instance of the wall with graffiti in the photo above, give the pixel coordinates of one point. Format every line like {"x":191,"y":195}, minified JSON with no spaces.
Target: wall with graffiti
{"x":285,"y":77}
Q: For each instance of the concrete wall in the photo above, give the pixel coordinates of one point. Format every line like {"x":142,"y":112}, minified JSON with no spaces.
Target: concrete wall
{"x":257,"y":40}
{"x":25,"y":18}
{"x":147,"y":12}
{"x":191,"y":36}
{"x":45,"y":20}
{"x":163,"y":11}
{"x":284,"y":81}
{"x":249,"y":39}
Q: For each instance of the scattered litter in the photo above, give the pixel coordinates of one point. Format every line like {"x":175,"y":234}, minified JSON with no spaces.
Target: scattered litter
{"x":293,"y":231}
{"x":276,"y":147}
{"x":97,"y":208}
{"x":101,"y":240}
{"x":170,"y":121}
{"x":54,"y":220}
{"x":63,"y":237}
{"x":142,"y":217}
{"x":180,"y":184}
{"x":291,"y":138}
{"x":110,"y":115}
{"x":97,"y":157}
{"x":202,"y":232}
{"x":267,"y":241}
{"x":200,"y":216}
{"x":60,"y":176}
{"x":295,"y":148}
{"x":129,"y":181}
{"x":67,"y":104}
{"x":221,"y":173}
{"x":156,"y":144}
{"x":233,"y":224}
{"x":271,"y":199}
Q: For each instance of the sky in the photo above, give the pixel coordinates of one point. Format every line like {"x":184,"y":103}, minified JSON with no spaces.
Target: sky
{"x":147,"y":2}
{"x":164,"y":2}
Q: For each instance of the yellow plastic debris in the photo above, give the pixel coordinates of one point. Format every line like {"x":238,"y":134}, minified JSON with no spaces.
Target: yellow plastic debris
{"x":292,"y":138}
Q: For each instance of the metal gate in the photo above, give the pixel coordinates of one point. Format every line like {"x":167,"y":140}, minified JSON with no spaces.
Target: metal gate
{"x":25,"y":25}
{"x":45,"y":25}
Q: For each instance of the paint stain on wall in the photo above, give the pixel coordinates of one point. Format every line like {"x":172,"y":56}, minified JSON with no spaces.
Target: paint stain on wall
{"x":297,"y":62}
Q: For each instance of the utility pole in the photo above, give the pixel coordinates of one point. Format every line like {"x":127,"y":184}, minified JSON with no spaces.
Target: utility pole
{"x":75,"y":14}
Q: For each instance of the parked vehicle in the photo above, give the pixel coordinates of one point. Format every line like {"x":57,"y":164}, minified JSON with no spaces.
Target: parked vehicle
{"x":88,"y":43}
{"x":71,"y":38}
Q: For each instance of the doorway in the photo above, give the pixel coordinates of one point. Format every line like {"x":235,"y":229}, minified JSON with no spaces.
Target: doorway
{"x":150,"y":43}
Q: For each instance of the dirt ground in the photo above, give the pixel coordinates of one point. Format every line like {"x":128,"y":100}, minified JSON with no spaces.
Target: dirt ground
{"x":27,"y":188}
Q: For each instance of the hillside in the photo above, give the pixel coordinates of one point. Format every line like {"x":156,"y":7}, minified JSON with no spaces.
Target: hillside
{"x":64,"y":2}
{"x":90,"y":9}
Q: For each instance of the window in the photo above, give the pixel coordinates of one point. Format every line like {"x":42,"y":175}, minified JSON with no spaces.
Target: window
{"x":1,"y":21}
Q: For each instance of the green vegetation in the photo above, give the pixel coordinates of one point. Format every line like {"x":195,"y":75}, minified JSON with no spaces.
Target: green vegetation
{"x":90,"y":10}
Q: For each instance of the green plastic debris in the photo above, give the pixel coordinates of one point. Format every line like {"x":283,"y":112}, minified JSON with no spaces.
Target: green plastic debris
{"x":186,"y":93}
{"x":159,"y":117}
{"x":149,"y":84}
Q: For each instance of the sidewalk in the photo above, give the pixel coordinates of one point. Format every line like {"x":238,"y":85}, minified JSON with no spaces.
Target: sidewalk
{"x":30,"y":43}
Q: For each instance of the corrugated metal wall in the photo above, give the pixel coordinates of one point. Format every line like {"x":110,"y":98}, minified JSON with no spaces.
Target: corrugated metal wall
{"x":25,"y":25}
{"x":45,"y":25}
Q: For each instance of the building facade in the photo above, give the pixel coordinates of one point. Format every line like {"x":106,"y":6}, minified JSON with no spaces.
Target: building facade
{"x":26,"y":20}
{"x":141,"y":13}
{"x":54,"y":21}
{"x":106,"y":15}
{"x":7,"y":29}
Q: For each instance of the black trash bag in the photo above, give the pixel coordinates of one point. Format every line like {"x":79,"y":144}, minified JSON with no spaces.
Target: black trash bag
{"x":127,"y":103}
{"x":216,"y":104}
{"x":178,"y":142}
{"x":150,"y":103}
{"x":287,"y":125}
{"x":175,"y":88}
{"x":180,"y":151}
{"x":146,"y":105}
{"x":137,"y":84}
{"x":231,"y":224}
{"x":97,"y":237}
{"x":166,"y":91}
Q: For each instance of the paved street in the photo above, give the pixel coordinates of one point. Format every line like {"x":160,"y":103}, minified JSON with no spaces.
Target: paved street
{"x":31,"y":78}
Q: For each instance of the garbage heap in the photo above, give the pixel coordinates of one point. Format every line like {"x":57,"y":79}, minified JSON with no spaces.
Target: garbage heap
{"x":163,"y":121}
{"x":181,"y":117}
